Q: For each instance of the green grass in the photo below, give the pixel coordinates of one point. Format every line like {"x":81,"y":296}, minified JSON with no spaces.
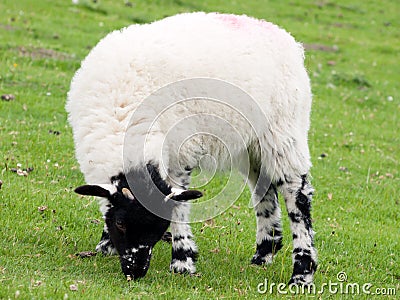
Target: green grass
{"x":353,"y":60}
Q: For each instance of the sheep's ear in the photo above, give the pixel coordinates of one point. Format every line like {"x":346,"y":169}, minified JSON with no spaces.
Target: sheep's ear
{"x":103,"y":190}
{"x":185,"y":195}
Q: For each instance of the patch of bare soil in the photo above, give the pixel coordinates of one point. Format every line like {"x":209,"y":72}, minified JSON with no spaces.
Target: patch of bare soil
{"x":7,"y":27}
{"x":40,"y":53}
{"x":321,"y":47}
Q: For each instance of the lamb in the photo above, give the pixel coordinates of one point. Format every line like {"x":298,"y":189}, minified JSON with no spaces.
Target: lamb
{"x":152,"y":102}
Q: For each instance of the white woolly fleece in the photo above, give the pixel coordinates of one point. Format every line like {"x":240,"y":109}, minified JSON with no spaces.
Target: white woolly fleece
{"x":129,"y":65}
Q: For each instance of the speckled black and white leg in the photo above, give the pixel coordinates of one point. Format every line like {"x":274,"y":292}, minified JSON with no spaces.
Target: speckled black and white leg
{"x":269,"y":227}
{"x":268,"y":218}
{"x":298,"y":192}
{"x":184,"y":250}
{"x":105,"y":246}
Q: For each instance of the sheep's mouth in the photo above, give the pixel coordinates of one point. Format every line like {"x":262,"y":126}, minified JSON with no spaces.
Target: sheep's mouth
{"x":132,"y":271}
{"x":135,"y":266}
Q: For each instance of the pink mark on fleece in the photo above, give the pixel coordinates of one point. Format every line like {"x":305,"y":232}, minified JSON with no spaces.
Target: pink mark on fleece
{"x":245,"y":22}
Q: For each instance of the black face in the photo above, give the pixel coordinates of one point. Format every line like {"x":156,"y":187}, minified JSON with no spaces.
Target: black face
{"x":133,"y":229}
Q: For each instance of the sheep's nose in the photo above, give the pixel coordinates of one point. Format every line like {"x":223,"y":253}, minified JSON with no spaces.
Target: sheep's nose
{"x":134,"y":271}
{"x":136,"y":264}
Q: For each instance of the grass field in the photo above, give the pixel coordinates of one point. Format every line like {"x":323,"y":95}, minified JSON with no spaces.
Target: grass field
{"x":353,"y":55}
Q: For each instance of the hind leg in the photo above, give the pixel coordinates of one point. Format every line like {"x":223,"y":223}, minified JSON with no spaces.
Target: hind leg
{"x":268,"y":218}
{"x":297,"y":192}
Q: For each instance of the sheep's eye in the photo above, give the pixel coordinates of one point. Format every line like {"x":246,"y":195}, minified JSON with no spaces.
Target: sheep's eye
{"x":120,"y":225}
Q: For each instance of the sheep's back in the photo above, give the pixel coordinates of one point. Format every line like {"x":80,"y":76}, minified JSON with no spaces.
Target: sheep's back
{"x":129,"y":65}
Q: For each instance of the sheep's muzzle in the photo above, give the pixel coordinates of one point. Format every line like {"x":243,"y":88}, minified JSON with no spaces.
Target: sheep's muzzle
{"x":135,"y":262}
